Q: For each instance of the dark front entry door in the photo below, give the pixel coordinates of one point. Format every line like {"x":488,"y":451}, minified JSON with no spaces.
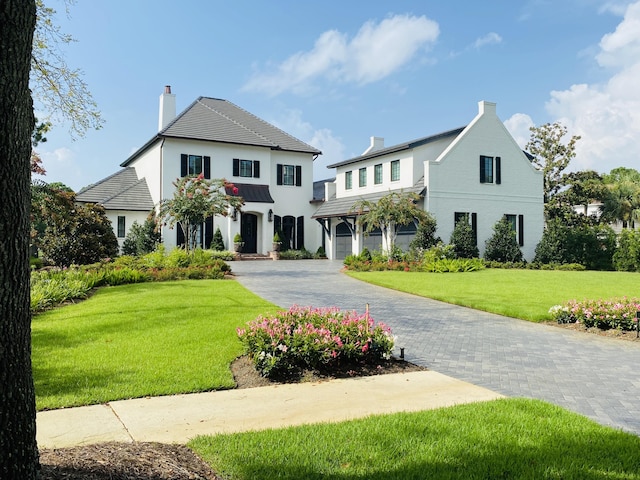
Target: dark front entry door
{"x":249,"y":232}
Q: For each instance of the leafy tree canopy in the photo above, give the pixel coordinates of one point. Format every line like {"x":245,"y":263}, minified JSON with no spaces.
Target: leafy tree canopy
{"x":194,"y":200}
{"x":58,"y":88}
{"x":551,"y":155}
{"x":388,"y":214}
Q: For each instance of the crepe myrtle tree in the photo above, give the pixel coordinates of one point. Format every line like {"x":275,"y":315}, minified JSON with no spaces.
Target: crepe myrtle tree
{"x":388,"y":214}
{"x":196,"y":199}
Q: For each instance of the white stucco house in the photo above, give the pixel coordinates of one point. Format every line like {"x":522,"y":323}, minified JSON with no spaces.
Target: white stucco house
{"x":272,"y":170}
{"x":477,"y":170}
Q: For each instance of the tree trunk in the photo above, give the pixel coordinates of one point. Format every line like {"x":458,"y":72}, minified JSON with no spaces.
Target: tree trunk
{"x":18,"y":449}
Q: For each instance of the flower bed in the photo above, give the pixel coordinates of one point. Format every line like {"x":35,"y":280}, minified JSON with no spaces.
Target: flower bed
{"x":603,"y":314}
{"x":289,"y":342}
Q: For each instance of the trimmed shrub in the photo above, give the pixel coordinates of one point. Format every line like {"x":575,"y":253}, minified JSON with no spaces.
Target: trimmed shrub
{"x":464,"y":240}
{"x":217,"y":243}
{"x":289,"y":342}
{"x":502,"y":246}
{"x":142,"y":239}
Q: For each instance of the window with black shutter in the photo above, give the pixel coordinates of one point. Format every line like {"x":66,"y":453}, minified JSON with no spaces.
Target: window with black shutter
{"x":289,"y":175}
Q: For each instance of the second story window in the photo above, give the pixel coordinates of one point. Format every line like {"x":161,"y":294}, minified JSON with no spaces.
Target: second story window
{"x":490,"y":171}
{"x":246,"y":168}
{"x":192,"y":165}
{"x":395,"y":170}
{"x":377,"y":174}
{"x":362,"y":177}
{"x":289,"y":175}
{"x":348,"y":180}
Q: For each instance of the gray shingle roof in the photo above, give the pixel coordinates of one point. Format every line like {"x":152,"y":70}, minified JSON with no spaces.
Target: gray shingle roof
{"x":339,"y":207}
{"x":401,"y":146}
{"x":120,"y":191}
{"x":217,"y":120}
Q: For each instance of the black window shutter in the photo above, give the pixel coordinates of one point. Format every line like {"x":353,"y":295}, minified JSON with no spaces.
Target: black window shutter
{"x":256,"y":168}
{"x":298,"y":176}
{"x":521,"y":230}
{"x":207,"y":168}
{"x":208,"y":232}
{"x":300,"y":233}
{"x":474,"y":226}
{"x":183,"y":165}
{"x":277,"y":223}
{"x":236,"y":167}
{"x":279,"y":174}
{"x":482,"y":177}
{"x":179,"y":235}
{"x":498,"y":172}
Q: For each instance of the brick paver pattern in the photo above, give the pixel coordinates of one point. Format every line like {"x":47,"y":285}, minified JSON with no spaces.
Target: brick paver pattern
{"x":595,"y":376}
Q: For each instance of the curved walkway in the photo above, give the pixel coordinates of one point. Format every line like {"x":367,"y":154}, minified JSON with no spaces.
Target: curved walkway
{"x":595,"y":376}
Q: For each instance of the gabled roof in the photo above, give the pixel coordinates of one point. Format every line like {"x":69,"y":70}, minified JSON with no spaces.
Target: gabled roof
{"x":217,"y":120}
{"x":120,"y":191}
{"x":401,"y":146}
{"x":341,"y":207}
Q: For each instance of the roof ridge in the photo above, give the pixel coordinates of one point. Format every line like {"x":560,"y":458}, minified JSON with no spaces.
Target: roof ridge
{"x":234,"y":120}
{"x":99,"y":182}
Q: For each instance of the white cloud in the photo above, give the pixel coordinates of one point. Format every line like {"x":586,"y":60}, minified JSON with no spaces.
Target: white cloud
{"x":377,"y":50}
{"x":606,"y":115}
{"x":323,"y":139}
{"x":519,"y":125}
{"x":491,"y":38}
{"x":61,"y":166}
{"x":332,"y":152}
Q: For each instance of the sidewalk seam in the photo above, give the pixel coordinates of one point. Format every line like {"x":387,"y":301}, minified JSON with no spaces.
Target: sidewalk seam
{"x":121,"y":422}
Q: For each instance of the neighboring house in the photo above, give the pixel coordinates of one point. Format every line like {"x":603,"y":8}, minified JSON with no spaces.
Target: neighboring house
{"x":272,"y":170}
{"x":478,"y":171}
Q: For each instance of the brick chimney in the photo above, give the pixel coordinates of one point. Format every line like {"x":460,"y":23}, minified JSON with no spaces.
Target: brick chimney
{"x":167,"y":108}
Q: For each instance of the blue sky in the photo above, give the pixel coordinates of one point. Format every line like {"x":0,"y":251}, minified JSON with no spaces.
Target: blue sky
{"x":334,"y":73}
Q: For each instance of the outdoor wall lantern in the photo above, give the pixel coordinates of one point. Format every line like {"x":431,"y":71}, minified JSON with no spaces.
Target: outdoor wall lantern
{"x":234,"y":214}
{"x":270,"y":215}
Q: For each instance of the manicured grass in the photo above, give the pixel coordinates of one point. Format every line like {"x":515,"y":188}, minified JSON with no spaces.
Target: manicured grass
{"x":526,"y":294}
{"x":143,"y":339}
{"x":510,"y":438}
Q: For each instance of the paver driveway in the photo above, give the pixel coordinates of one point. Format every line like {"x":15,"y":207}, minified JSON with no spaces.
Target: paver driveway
{"x":595,"y":376}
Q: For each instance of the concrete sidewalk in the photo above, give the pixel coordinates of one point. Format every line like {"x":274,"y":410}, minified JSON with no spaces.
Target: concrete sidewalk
{"x":178,"y":418}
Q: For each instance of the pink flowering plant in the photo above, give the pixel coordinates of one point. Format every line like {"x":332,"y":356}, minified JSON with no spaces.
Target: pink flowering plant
{"x":619,"y":313}
{"x":307,"y":338}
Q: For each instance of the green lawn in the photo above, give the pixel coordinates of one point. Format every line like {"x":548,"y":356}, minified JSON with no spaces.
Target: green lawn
{"x":138,"y":340}
{"x":526,"y":294}
{"x":510,"y":438}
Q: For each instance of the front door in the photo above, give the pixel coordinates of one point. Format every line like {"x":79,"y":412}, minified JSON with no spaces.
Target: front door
{"x":249,"y":232}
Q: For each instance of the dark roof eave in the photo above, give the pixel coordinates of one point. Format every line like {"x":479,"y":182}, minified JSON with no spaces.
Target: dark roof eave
{"x":142,"y":149}
{"x":400,"y":147}
{"x":159,"y":136}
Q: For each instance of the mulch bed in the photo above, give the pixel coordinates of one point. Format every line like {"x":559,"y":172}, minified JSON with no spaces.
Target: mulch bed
{"x":158,"y":461}
{"x":629,"y":336}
